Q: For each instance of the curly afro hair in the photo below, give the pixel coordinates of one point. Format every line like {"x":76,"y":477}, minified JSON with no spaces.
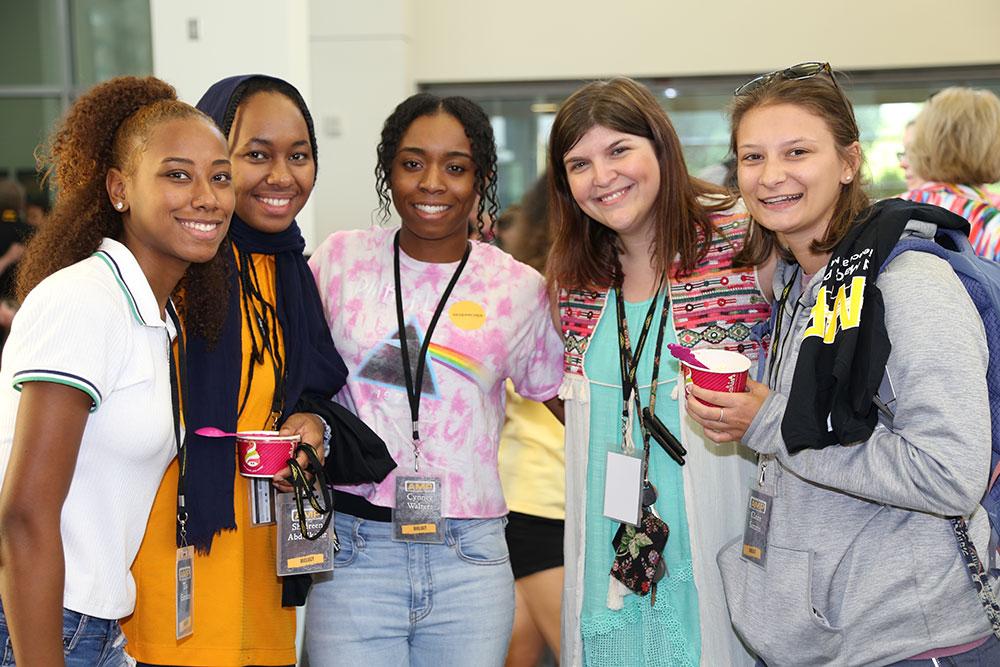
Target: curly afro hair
{"x":108,"y":126}
{"x":477,"y":128}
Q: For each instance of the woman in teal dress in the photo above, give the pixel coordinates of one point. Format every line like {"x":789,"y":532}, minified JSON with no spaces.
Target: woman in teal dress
{"x":637,"y":243}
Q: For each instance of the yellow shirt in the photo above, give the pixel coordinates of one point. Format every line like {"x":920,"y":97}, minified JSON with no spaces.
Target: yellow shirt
{"x":532,"y":462}
{"x":237,"y":613}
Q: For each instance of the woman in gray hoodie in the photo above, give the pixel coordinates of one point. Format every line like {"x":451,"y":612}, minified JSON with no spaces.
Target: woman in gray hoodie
{"x":850,"y":554}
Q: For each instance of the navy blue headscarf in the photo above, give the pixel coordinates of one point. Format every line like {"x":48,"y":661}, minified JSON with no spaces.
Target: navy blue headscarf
{"x":313,"y":367}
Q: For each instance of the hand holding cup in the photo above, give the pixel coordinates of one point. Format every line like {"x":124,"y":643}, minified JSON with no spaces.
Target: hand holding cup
{"x":724,"y":415}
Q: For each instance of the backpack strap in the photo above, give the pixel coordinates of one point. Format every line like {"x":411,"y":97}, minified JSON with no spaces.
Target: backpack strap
{"x":982,"y":288}
{"x":980,"y":580}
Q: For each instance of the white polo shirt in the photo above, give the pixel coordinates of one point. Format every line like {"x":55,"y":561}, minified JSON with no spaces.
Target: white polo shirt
{"x":95,"y":326}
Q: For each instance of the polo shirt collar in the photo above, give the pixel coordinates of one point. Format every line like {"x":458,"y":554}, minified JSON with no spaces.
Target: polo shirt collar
{"x":132,"y":281}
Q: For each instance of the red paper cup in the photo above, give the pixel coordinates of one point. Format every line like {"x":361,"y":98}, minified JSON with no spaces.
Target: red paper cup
{"x":727,"y":371}
{"x":264,"y":453}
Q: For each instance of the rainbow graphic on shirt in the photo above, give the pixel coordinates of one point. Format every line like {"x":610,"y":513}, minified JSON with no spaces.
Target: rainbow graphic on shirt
{"x":382,"y":365}
{"x":461,"y":363}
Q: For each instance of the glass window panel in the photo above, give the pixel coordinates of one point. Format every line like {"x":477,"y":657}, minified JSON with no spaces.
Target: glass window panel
{"x":27,"y":123}
{"x":31,"y":47}
{"x":99,"y":51}
{"x":884,"y":103}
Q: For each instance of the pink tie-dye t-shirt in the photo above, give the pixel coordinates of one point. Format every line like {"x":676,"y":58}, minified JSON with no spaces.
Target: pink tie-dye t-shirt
{"x":496,"y":324}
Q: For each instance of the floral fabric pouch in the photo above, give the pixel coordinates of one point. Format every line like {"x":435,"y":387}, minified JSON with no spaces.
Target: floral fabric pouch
{"x":638,"y":560}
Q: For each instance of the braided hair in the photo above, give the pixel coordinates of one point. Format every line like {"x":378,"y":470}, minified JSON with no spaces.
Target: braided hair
{"x":477,"y":128}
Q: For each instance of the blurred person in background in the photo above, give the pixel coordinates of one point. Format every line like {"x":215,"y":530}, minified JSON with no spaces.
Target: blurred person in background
{"x":912,"y":178}
{"x":14,"y":233}
{"x":532,"y":470}
{"x":36,"y":207}
{"x":956,"y":148}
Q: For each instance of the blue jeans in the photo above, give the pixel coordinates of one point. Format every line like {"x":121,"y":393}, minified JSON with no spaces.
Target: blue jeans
{"x":395,"y":604}
{"x":87,"y":642}
{"x":987,"y":655}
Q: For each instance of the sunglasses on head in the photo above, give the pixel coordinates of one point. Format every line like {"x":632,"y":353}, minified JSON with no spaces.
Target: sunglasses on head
{"x":793,"y":73}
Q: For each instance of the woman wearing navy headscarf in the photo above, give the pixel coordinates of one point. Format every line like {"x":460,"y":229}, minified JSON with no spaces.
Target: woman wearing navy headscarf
{"x":274,"y":366}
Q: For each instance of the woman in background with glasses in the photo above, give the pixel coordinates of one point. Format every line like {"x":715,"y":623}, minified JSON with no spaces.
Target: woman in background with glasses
{"x":641,"y":246}
{"x":848,"y":557}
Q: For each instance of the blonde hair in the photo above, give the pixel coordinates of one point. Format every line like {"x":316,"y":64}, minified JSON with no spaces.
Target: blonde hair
{"x":956,"y":137}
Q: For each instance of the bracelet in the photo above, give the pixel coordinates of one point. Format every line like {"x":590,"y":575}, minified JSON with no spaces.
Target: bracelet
{"x":327,"y":434}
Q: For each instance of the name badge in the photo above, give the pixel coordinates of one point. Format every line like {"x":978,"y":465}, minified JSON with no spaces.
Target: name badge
{"x":296,"y":554}
{"x":758,"y":522}
{"x":184,"y":589}
{"x":417,"y":515}
{"x":623,"y":488}
{"x":261,"y":502}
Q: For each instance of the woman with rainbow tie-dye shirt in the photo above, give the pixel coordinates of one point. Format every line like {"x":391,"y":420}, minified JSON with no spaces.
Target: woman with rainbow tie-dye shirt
{"x":956,"y":147}
{"x":430,"y":325}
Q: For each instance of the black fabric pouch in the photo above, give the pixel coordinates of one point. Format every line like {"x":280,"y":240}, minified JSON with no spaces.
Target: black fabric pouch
{"x":638,"y":560}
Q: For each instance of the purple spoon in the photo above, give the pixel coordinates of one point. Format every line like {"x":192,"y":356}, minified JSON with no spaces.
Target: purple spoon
{"x":212,"y":432}
{"x":679,"y":352}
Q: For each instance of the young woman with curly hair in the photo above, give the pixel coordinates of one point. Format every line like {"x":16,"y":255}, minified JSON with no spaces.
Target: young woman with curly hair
{"x":640,"y":246}
{"x":431,"y":325}
{"x":144,"y":190}
{"x":273,"y":366}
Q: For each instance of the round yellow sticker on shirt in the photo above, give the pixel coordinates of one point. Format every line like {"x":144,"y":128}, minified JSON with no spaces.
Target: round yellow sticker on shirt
{"x":467,"y":315}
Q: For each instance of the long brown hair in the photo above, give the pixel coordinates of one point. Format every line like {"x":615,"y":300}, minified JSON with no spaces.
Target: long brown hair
{"x":108,"y":127}
{"x":585,"y":253}
{"x":821,"y":96}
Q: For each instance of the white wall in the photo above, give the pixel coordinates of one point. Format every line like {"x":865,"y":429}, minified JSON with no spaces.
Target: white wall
{"x":360,"y":72}
{"x":517,"y":40}
{"x":355,"y":60}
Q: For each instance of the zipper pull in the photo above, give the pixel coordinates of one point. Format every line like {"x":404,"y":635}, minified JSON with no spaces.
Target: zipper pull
{"x":763,"y":469}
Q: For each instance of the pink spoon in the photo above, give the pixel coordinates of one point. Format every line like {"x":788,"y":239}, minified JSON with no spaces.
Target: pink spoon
{"x":682,"y":353}
{"x":212,"y":432}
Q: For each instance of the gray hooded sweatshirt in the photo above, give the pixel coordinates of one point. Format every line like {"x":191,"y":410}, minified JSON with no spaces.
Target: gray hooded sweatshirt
{"x":862,"y":566}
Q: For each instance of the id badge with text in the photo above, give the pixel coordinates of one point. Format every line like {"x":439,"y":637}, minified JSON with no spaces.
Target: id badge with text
{"x":296,"y":554}
{"x":417,"y":515}
{"x":623,"y":488}
{"x":759,"y":510}
{"x":184,"y":588}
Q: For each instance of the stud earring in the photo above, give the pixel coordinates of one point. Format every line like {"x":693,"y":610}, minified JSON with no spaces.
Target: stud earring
{"x":120,"y":205}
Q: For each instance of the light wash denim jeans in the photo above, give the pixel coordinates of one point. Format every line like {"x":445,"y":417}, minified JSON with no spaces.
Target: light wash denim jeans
{"x":396,"y":604}
{"x":87,"y":642}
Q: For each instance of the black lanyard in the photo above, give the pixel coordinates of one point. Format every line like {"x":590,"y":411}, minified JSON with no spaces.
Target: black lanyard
{"x":263,"y":339}
{"x":413,"y":391}
{"x":178,"y":391}
{"x":777,"y":335}
{"x":629,"y":363}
